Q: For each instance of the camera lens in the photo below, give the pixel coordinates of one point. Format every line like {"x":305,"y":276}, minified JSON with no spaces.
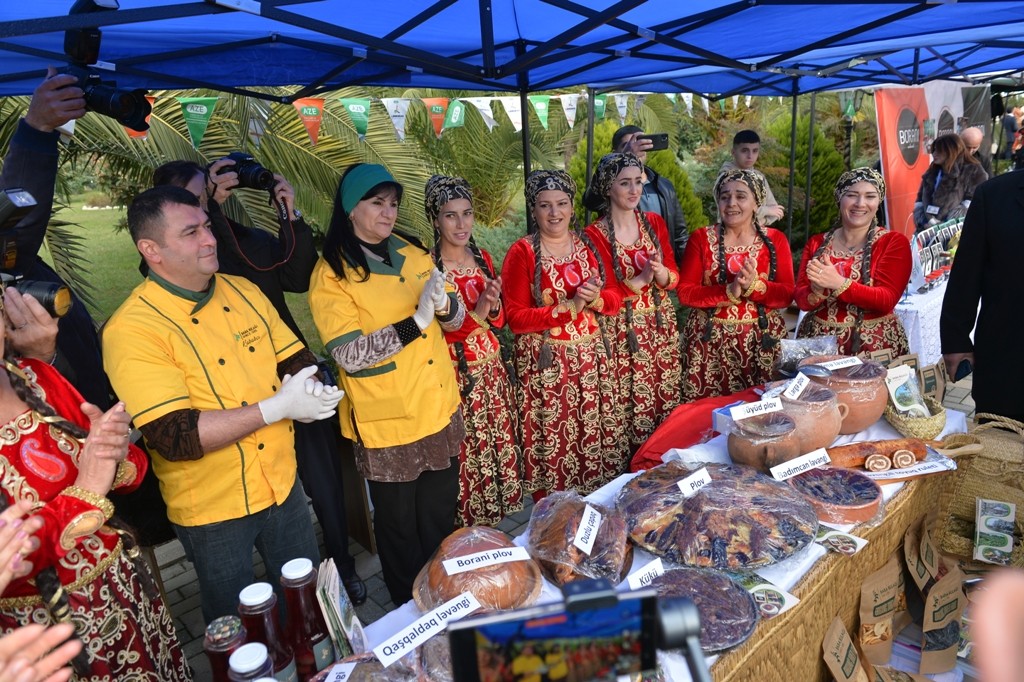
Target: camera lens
{"x":56,"y":298}
{"x":250,"y":173}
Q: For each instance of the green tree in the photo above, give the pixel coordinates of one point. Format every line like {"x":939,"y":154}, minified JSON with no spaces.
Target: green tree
{"x":827,"y":165}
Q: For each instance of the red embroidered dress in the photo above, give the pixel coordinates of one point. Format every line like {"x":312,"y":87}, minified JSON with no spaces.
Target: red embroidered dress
{"x":830,"y":314}
{"x":490,"y":460}
{"x":572,"y":422}
{"x":733,"y":352}
{"x":649,"y":377}
{"x":128,"y":635}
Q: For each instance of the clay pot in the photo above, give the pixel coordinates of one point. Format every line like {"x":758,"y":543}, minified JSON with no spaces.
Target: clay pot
{"x":817,"y":413}
{"x":764,"y":441}
{"x":839,"y":495}
{"x":861,"y":388}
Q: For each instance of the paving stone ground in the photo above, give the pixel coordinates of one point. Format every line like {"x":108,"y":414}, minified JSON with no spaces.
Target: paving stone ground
{"x":183,"y":590}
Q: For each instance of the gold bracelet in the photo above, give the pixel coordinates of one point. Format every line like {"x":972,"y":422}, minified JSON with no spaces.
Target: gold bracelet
{"x":757,"y":286}
{"x":732,"y":297}
{"x":670,"y":284}
{"x":98,"y":501}
{"x":842,"y":287}
{"x":126,"y":473}
{"x":632,"y":287}
{"x":479,"y":320}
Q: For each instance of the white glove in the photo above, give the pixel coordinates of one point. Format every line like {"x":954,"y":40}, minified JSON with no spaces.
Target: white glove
{"x":437,"y":292}
{"x":425,"y":309}
{"x":301,"y":398}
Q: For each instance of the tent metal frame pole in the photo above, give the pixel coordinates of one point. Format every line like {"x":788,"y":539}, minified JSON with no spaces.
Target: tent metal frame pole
{"x":810,"y":163}
{"x":792,"y":161}
{"x":591,"y":101}
{"x":524,"y":107}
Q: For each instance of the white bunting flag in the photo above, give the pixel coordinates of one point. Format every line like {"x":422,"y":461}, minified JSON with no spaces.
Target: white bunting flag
{"x":748,"y":99}
{"x":735,"y":101}
{"x":397,"y":108}
{"x":622,"y":105}
{"x":513,"y":111}
{"x":707,"y":106}
{"x":483,"y":105}
{"x":688,"y":101}
{"x":569,"y":103}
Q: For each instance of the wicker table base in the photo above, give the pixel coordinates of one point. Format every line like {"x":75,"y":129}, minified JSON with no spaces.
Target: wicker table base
{"x":789,"y":646}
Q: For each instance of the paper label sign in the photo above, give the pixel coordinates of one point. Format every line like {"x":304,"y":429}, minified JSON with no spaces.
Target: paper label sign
{"x":794,"y":467}
{"x":934,"y":464}
{"x":488,"y":557}
{"x":694,"y":482}
{"x":747,"y":410}
{"x":835,"y":540}
{"x":433,"y":622}
{"x":840,"y":364}
{"x":587,"y":532}
{"x":340,"y":672}
{"x":796,"y":386}
{"x":643,"y":576}
{"x":770,"y":600}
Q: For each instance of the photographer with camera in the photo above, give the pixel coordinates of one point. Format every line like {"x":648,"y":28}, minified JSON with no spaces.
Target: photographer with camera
{"x":31,"y":164}
{"x":276,"y":265}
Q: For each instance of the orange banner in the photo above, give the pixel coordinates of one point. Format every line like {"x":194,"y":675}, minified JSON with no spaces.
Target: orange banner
{"x":311,"y":111}
{"x":905,"y":157}
{"x":141,"y":135}
{"x":436,"y":107}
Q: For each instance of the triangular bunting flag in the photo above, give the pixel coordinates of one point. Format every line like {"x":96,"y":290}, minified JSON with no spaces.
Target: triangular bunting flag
{"x":436,"y":108}
{"x":640,"y":99}
{"x":513,"y":111}
{"x":748,"y":100}
{"x":671,"y":97}
{"x":358,"y":109}
{"x":600,"y":105}
{"x":311,"y":111}
{"x":257,"y":127}
{"x":483,"y":105}
{"x":622,"y":106}
{"x":688,"y":101}
{"x":707,"y":105}
{"x":569,"y":105}
{"x":197,"y":112}
{"x":735,"y":101}
{"x":540,"y":107}
{"x":455,"y":116}
{"x":397,"y":108}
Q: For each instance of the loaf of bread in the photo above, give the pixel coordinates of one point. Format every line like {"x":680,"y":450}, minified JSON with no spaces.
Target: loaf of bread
{"x":553,"y":527}
{"x":856,"y":454}
{"x":507,"y":585}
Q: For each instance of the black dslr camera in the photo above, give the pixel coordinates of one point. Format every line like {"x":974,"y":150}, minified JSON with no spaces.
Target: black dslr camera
{"x":15,"y":203}
{"x":250,"y":173}
{"x":82,"y":46}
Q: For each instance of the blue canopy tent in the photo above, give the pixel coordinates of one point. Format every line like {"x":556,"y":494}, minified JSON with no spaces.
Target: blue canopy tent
{"x":750,"y":47}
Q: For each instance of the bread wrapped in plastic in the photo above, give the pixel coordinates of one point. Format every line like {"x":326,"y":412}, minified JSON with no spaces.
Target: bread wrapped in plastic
{"x":436,"y":660}
{"x":742,"y":519}
{"x":369,"y":669}
{"x":553,"y":528}
{"x":497,"y":586}
{"x":839,"y":495}
{"x":728,"y":612}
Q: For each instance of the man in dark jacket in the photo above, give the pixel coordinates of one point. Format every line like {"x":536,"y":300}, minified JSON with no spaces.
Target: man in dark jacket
{"x":659,"y":196}
{"x":985,"y":270}
{"x":31,"y":164}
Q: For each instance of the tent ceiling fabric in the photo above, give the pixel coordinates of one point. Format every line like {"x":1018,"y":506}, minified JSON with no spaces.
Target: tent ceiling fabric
{"x":754,"y":47}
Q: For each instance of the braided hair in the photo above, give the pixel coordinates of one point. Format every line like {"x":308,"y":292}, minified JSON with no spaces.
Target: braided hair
{"x":846,"y":181}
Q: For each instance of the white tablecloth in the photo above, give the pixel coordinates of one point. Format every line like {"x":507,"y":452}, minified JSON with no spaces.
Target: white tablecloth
{"x":784,"y":575}
{"x":919,"y":314}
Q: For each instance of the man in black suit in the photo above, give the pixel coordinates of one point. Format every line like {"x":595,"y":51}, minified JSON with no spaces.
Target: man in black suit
{"x":985,"y":270}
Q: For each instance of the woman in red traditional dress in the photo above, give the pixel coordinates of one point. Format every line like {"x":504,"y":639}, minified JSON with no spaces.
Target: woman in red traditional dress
{"x":637,"y":255}
{"x":64,"y":456}
{"x":738,"y":276}
{"x":554,"y":295}
{"x":490,"y":461}
{"x":852,"y":276}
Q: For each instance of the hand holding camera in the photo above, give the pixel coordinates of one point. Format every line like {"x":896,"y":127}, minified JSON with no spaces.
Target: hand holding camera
{"x":55,"y":101}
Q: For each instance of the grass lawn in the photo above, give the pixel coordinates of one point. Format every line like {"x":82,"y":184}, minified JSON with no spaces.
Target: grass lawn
{"x":113,"y":267}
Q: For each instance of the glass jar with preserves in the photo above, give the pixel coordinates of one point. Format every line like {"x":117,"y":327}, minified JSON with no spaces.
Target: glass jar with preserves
{"x":258,"y":608}
{"x":310,"y":640}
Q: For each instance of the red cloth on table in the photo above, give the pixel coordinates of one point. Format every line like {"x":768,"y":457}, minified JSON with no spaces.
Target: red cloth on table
{"x":686,"y":426}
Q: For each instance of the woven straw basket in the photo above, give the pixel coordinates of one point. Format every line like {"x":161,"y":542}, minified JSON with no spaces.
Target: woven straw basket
{"x":925,"y":428}
{"x":990,"y":465}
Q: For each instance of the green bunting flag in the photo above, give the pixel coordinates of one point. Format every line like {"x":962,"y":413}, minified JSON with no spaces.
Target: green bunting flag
{"x":455,"y":117}
{"x":197,"y":112}
{"x":600,"y":102}
{"x":358,"y":109}
{"x":540,"y":107}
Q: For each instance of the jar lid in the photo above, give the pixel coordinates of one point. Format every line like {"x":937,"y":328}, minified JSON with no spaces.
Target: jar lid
{"x":256,"y":594}
{"x":816,"y":371}
{"x":297,"y":568}
{"x":248,"y":657}
{"x":223,"y":629}
{"x":770,"y":425}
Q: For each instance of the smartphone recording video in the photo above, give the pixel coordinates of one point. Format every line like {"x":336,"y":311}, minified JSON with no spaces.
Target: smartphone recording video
{"x":659,"y":141}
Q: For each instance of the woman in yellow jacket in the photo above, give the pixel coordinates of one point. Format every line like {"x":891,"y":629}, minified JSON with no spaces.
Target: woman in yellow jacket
{"x":380,"y":306}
